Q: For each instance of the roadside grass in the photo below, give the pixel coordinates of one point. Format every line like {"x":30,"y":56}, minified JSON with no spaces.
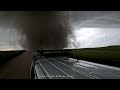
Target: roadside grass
{"x":104,"y":55}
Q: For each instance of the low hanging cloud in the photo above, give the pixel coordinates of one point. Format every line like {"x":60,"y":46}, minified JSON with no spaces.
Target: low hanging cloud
{"x":52,"y":29}
{"x":43,"y":29}
{"x":96,"y":19}
{"x":97,"y":37}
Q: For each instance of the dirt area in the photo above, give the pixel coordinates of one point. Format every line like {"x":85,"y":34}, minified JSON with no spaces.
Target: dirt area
{"x":18,"y":68}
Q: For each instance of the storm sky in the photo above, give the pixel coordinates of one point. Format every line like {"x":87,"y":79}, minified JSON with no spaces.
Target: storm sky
{"x":96,"y":28}
{"x":91,"y":29}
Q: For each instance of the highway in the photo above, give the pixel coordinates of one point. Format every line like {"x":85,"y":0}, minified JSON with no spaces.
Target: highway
{"x":57,"y":68}
{"x":18,"y":67}
{"x":69,"y":68}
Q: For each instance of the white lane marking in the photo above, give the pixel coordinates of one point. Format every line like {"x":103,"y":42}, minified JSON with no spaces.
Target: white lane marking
{"x":100,"y":65}
{"x":97,"y":67}
{"x":90,"y":76}
{"x":100,"y":71}
{"x":59,"y":69}
{"x":44,"y":70}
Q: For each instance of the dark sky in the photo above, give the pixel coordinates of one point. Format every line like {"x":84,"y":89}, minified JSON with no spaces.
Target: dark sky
{"x":100,"y":19}
{"x":91,"y":29}
{"x":96,"y":28}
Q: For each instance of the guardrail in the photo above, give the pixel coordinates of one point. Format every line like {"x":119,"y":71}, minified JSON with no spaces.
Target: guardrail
{"x":53,"y":52}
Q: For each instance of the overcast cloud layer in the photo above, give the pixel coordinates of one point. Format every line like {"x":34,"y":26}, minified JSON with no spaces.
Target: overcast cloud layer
{"x":96,"y":28}
{"x":91,"y":28}
{"x":99,"y":19}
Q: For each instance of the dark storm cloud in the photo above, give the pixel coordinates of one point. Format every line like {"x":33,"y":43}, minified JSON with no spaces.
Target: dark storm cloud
{"x":7,"y":18}
{"x":44,"y":29}
{"x":52,"y":29}
{"x":97,"y":28}
{"x":97,"y":19}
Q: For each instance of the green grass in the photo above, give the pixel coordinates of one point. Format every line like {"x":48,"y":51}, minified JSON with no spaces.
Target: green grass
{"x":6,"y":56}
{"x":105,"y":55}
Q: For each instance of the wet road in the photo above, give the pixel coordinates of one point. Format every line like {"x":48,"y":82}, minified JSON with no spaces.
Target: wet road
{"x":69,"y":68}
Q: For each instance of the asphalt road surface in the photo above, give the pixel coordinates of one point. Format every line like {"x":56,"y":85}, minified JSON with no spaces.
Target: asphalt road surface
{"x":69,"y":68}
{"x":18,"y":68}
{"x":57,"y":68}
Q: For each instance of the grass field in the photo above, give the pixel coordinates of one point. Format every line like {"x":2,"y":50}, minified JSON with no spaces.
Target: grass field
{"x":104,"y":55}
{"x":6,"y":56}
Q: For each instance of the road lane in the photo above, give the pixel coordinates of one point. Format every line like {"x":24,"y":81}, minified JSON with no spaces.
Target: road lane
{"x":51,"y":70}
{"x":78,"y":74}
{"x":18,"y":68}
{"x":88,"y":69}
{"x":99,"y":70}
